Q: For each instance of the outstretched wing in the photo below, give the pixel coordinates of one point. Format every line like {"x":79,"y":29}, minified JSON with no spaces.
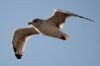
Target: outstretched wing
{"x":59,"y":17}
{"x":19,"y":39}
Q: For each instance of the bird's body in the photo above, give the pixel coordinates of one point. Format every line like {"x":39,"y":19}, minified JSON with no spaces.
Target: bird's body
{"x":51,"y":30}
{"x":50,"y":27}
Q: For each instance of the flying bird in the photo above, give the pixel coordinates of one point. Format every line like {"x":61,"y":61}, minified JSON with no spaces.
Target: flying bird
{"x":50,"y":27}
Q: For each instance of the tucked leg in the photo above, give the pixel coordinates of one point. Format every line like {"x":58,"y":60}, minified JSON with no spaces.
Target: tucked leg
{"x":64,"y":36}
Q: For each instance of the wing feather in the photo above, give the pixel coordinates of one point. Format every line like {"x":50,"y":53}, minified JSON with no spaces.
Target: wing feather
{"x":19,"y":39}
{"x":59,"y":16}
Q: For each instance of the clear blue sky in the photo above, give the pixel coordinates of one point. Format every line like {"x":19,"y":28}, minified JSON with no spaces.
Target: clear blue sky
{"x":83,"y":49}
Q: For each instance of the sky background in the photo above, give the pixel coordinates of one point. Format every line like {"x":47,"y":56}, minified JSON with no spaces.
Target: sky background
{"x":83,"y":49}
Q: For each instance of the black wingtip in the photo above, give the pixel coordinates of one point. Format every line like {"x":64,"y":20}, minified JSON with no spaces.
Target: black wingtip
{"x":83,"y":17}
{"x":18,"y":56}
{"x":14,"y":49}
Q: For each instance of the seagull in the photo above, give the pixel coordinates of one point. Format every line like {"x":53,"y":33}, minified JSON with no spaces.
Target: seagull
{"x":49,"y":27}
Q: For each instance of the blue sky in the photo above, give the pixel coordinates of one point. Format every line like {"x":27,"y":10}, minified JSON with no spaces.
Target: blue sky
{"x":83,"y":49}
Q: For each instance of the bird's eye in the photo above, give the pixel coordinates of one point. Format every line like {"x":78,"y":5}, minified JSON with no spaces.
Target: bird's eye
{"x":36,"y":20}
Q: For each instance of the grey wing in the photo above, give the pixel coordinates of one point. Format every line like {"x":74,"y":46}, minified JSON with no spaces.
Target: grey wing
{"x":19,"y":39}
{"x":59,"y":17}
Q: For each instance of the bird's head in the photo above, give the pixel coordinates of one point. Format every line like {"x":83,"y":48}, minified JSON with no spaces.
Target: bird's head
{"x":35,"y":22}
